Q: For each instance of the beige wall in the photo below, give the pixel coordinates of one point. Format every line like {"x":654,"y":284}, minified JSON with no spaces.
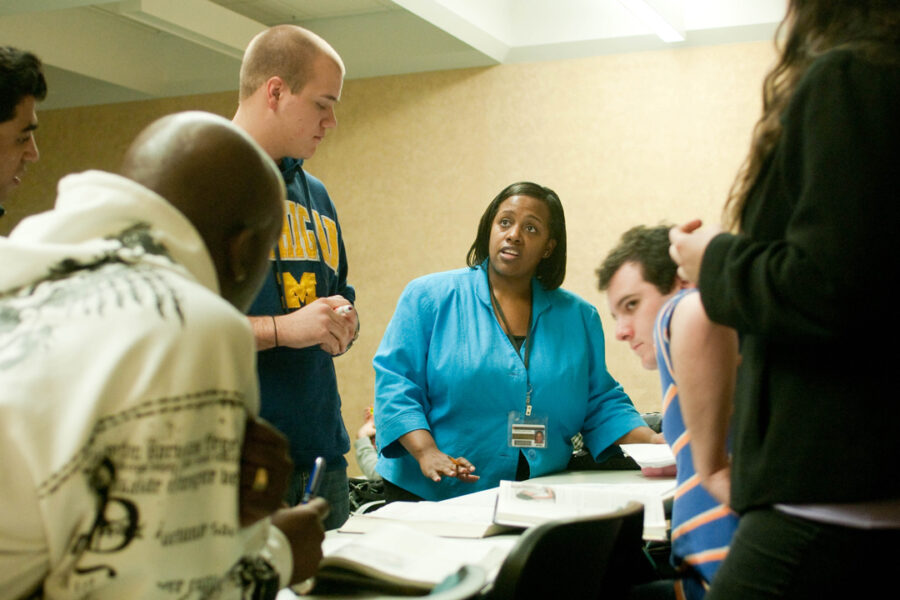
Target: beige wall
{"x":624,"y":139}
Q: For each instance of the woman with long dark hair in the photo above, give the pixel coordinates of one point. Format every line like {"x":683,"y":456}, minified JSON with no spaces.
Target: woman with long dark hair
{"x":805,"y":277}
{"x":486,"y":372}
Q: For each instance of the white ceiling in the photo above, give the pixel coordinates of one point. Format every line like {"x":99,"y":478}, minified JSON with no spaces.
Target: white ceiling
{"x":103,"y":52}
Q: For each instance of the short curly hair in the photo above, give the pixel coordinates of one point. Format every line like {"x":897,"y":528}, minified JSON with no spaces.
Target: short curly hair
{"x":648,"y":247}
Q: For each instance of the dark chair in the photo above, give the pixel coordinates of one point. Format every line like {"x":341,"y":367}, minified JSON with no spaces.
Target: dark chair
{"x":582,"y":558}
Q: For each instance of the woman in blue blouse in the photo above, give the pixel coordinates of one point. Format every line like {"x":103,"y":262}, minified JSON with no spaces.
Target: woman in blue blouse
{"x":486,"y":372}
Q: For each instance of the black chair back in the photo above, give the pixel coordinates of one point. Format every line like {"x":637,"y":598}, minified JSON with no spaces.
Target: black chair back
{"x":582,"y":558}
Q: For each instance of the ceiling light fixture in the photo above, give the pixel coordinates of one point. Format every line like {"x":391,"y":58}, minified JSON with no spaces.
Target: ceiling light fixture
{"x":199,"y":21}
{"x":664,"y":17}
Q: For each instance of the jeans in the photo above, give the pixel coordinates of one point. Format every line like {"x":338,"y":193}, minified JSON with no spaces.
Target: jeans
{"x":775,"y":555}
{"x":335,"y":489}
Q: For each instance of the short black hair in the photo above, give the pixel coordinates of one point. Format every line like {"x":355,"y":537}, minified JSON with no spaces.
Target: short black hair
{"x":550,"y":271}
{"x":21,"y":75}
{"x":649,"y":248}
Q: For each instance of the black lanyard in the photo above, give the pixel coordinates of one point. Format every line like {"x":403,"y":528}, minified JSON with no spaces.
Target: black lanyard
{"x":508,"y":331}
{"x":276,"y":271}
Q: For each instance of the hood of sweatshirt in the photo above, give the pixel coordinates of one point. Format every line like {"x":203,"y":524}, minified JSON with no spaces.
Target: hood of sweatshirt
{"x":99,"y":217}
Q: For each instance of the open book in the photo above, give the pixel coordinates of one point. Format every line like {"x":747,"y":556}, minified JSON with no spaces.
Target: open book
{"x":400,"y":559}
{"x":498,"y":511}
{"x":523,"y":503}
{"x":650,"y":455}
{"x":436,"y":518}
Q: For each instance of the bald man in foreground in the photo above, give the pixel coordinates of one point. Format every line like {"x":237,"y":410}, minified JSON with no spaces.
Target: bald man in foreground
{"x":127,"y":378}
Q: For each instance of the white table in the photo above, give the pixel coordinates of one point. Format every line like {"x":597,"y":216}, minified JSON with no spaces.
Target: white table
{"x":487,"y":498}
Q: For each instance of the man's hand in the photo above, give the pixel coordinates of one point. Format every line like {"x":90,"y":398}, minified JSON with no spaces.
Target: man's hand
{"x":718,"y":484}
{"x":302,"y":525}
{"x":667,"y":471}
{"x":322,"y":323}
{"x":265,"y":471}
{"x":688,"y":243}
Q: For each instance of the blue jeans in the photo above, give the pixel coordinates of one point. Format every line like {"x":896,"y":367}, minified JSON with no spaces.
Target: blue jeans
{"x":335,"y":489}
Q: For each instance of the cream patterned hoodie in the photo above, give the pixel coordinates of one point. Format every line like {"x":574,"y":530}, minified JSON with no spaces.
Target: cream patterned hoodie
{"x":125,"y":382}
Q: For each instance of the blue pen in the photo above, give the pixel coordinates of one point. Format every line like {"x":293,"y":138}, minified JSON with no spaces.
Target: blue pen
{"x":315,"y":480}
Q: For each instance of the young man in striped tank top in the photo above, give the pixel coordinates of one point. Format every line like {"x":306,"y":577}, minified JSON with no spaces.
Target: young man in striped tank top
{"x":664,"y":323}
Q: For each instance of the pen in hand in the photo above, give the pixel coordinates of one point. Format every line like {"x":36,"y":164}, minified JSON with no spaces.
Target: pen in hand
{"x":315,"y":481}
{"x":463,"y":469}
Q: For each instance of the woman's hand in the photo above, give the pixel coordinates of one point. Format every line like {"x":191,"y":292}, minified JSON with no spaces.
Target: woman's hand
{"x":688,"y":243}
{"x":435,"y":463}
{"x":641,"y":435}
{"x":432,"y":461}
{"x":464,"y":470}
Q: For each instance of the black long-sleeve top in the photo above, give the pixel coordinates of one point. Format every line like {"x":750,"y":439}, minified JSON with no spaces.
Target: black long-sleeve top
{"x":810,"y":284}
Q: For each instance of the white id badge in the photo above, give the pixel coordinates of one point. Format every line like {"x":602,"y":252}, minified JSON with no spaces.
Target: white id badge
{"x":527,"y":432}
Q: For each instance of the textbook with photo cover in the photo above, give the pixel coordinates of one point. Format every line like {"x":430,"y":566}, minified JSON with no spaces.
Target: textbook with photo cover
{"x":524,"y":504}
